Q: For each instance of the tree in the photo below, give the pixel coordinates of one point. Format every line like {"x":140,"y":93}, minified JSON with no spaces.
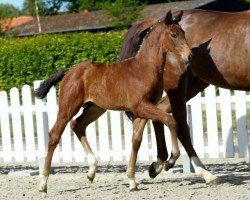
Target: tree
{"x":29,"y":7}
{"x":53,"y":7}
{"x":78,"y":5}
{"x":8,"y":11}
{"x":122,"y":12}
{"x":45,"y":7}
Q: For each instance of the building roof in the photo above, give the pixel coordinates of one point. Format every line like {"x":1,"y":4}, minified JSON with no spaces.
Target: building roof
{"x":14,"y":22}
{"x":96,"y":20}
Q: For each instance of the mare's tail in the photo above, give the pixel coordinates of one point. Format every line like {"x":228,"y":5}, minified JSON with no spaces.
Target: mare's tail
{"x":45,"y":86}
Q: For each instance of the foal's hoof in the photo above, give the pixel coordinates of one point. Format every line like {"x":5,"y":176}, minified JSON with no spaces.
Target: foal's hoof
{"x":151,"y":171}
{"x":214,"y":181}
{"x":43,"y":188}
{"x":167,"y":166}
{"x":134,"y":189}
{"x":91,"y":178}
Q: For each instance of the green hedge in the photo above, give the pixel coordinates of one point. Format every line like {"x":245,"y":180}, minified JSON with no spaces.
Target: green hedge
{"x":23,"y":60}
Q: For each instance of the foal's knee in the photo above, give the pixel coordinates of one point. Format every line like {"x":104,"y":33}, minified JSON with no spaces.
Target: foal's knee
{"x":171,"y":123}
{"x":136,"y":124}
{"x":164,"y":105}
{"x":77,"y":127}
{"x":54,"y":139}
{"x":136,"y":143}
{"x":72,"y":124}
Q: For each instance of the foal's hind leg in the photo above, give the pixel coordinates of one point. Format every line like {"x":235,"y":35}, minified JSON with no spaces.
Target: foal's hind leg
{"x":79,"y":125}
{"x":54,"y":138}
{"x":66,"y":112}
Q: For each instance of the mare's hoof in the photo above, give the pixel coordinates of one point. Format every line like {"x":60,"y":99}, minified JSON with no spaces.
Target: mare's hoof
{"x":134,"y":189}
{"x":214,"y":181}
{"x":43,"y":188}
{"x":91,"y":178}
{"x":151,"y":171}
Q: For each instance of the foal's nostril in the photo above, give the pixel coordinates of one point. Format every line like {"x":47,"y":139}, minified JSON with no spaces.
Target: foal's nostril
{"x":190,"y":57}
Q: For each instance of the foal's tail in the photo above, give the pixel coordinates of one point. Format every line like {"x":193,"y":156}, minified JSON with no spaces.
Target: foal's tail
{"x":45,"y":86}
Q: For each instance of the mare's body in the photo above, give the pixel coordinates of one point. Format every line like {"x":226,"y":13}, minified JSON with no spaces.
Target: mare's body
{"x":221,"y":42}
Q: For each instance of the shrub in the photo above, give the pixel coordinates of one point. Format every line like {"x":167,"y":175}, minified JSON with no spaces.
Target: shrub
{"x":23,"y":60}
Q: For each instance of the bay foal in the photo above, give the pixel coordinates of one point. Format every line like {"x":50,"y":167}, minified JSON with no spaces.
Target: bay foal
{"x":135,"y":84}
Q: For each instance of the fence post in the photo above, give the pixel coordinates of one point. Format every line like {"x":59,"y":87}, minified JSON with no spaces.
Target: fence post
{"x":186,"y":162}
{"x":28,"y":123}
{"x":5,"y":127}
{"x":16,"y":125}
{"x":42,"y":129}
{"x":212,"y":122}
{"x":241,"y":116}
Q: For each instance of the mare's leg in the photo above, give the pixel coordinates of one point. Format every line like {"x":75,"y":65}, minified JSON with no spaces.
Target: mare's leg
{"x":156,"y":167}
{"x":79,"y":125}
{"x":146,"y":110}
{"x":63,"y":117}
{"x":178,"y":104}
{"x":162,"y":154}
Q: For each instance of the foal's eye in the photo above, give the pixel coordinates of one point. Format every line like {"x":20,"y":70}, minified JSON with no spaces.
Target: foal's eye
{"x":174,"y":35}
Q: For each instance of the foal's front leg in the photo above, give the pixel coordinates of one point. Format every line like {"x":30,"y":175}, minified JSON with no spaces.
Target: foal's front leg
{"x":156,"y":167}
{"x":147,"y":110}
{"x":138,"y":127}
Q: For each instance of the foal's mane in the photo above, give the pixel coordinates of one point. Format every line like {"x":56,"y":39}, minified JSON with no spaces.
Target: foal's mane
{"x":134,"y":39}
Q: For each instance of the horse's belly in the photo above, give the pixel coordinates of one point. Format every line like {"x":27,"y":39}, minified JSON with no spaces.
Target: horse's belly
{"x":222,"y":72}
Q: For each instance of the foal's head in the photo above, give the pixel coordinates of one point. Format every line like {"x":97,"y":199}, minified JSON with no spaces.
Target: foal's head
{"x":173,"y":40}
{"x":168,"y":36}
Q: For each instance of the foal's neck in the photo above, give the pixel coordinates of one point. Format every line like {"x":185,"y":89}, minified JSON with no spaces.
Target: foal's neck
{"x":151,"y":52}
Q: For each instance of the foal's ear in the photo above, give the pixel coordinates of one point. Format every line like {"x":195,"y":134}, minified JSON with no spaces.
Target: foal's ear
{"x":177,"y":18}
{"x":168,"y":18}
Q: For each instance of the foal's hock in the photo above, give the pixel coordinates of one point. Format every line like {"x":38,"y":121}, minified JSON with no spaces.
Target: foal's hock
{"x":135,"y":84}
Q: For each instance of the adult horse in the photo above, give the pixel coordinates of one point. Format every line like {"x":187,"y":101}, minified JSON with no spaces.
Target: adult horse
{"x":135,"y":84}
{"x":220,"y":43}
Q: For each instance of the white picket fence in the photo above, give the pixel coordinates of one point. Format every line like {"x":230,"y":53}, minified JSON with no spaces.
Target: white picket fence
{"x":25,"y":123}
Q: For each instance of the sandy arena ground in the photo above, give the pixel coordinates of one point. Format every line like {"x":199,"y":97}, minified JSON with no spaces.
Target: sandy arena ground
{"x":70,"y":182}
